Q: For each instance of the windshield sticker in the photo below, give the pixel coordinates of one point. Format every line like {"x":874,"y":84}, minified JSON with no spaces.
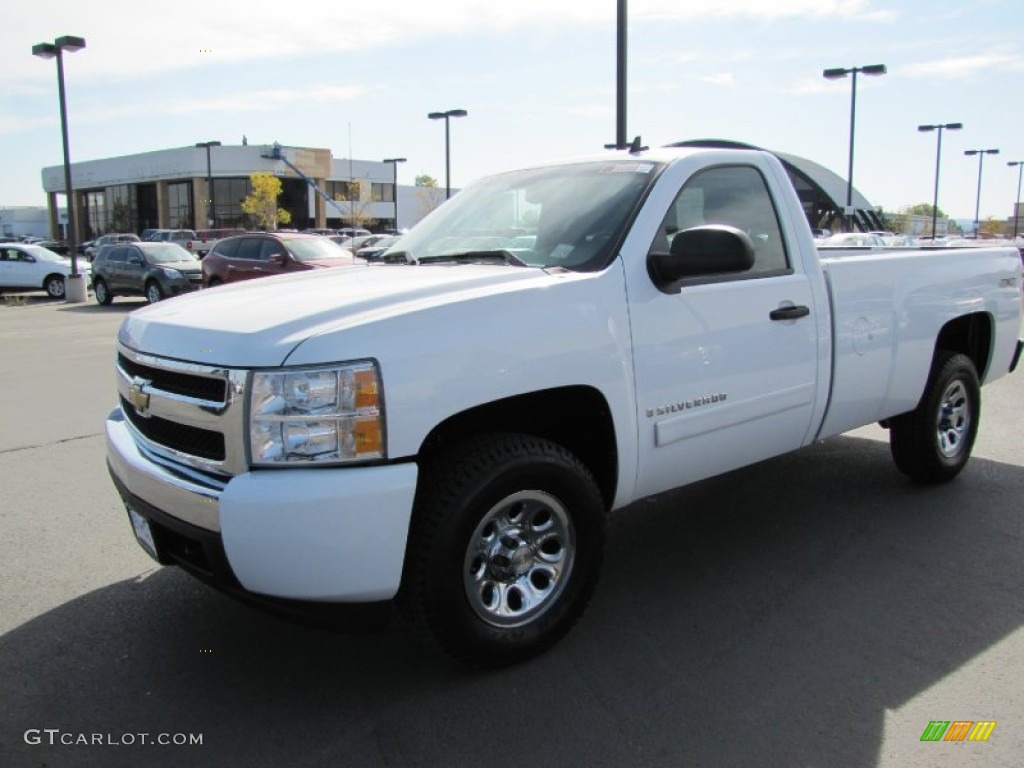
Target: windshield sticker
{"x":628,"y":168}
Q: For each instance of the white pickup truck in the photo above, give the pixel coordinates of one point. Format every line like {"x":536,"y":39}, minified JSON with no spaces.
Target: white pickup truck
{"x":557,"y":342}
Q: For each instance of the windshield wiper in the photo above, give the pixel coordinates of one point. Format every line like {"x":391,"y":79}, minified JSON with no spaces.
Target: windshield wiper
{"x":476,"y":257}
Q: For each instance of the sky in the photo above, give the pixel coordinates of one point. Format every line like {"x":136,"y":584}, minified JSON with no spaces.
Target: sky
{"x":537,"y":78}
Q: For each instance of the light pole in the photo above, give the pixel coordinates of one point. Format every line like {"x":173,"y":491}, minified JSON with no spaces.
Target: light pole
{"x":394,"y":186}
{"x":836,"y":74}
{"x":75,"y":284}
{"x":209,"y":181}
{"x":1016,"y":208}
{"x":938,"y":155}
{"x":447,"y":145}
{"x":977,"y":205}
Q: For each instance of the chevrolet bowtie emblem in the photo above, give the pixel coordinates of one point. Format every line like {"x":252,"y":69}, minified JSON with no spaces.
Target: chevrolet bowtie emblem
{"x":138,"y":397}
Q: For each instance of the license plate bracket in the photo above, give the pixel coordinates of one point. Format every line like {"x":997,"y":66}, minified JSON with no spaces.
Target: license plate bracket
{"x":143,"y":533}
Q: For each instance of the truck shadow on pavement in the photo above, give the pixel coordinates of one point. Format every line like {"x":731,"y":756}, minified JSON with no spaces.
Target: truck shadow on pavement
{"x":770,"y":617}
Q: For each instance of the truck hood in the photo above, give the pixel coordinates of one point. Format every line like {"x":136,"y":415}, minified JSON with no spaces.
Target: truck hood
{"x":259,"y":322}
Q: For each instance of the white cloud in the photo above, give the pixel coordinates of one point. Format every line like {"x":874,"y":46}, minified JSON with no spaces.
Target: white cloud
{"x":965,"y":66}
{"x":137,"y":37}
{"x":723,"y":78}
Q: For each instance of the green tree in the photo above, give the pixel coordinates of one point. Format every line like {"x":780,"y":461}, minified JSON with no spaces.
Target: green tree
{"x":262,"y":203}
{"x":924,"y":209}
{"x":428,"y":194}
{"x":992,"y":226}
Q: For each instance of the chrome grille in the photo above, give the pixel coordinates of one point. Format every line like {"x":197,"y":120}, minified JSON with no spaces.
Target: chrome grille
{"x":188,"y":414}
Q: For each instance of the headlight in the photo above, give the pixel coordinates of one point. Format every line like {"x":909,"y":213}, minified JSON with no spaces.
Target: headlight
{"x":174,"y":274}
{"x":316,"y":415}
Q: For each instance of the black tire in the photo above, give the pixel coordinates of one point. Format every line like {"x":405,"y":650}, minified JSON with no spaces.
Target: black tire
{"x":54,"y":286}
{"x":154,"y":292}
{"x":505,"y":548}
{"x":102,"y":293}
{"x":932,"y":443}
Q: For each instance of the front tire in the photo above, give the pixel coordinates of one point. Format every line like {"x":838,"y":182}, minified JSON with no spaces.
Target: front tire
{"x":102,"y":293}
{"x":153,"y":292}
{"x":54,"y":286}
{"x":505,"y":548}
{"x":932,"y":443}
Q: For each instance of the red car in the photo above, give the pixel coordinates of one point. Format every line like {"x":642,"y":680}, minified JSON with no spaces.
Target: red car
{"x":261,"y":254}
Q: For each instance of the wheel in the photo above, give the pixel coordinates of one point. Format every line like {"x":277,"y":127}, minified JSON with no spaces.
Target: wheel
{"x":932,"y":443}
{"x":505,"y":548}
{"x":103,"y":295}
{"x":54,"y":286}
{"x":153,"y":292}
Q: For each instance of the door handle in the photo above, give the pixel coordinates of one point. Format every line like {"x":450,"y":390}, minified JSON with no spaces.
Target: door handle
{"x":789,"y":313}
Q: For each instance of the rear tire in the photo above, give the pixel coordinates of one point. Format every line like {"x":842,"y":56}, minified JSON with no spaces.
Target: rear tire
{"x":505,"y":548}
{"x":933,"y":443}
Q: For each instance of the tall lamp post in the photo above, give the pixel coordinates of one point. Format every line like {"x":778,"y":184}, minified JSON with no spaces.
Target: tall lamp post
{"x":75,"y":290}
{"x":1016,"y":208}
{"x":209,"y":181}
{"x":938,"y":155}
{"x":837,"y":74}
{"x":447,"y":145}
{"x":394,"y":186}
{"x":977,"y":205}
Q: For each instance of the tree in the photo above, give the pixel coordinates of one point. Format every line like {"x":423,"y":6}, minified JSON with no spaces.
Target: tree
{"x":925,"y":209}
{"x":428,"y":194}
{"x":992,"y":226}
{"x":262,"y":203}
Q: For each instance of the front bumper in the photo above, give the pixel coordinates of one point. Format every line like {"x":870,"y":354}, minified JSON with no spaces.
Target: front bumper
{"x":320,"y":534}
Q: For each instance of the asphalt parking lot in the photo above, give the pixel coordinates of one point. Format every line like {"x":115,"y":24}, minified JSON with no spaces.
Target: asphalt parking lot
{"x":812,"y":610}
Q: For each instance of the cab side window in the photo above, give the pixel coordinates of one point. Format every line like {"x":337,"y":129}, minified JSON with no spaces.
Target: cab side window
{"x":736,"y":196}
{"x":270,"y":248}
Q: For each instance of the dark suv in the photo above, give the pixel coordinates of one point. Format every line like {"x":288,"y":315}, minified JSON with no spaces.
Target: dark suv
{"x":264,"y":254}
{"x":153,"y":270}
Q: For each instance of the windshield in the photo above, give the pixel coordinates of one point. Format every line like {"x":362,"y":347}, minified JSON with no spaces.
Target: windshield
{"x":167,"y":254}
{"x":570,"y":216}
{"x":315,"y":248}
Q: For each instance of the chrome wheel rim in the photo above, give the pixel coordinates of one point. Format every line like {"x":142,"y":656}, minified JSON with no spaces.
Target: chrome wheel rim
{"x":153,"y":293}
{"x":100,"y":289}
{"x":519,"y":559}
{"x":954,"y":419}
{"x":55,"y":288}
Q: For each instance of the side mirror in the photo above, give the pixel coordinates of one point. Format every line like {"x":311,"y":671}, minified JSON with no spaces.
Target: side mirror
{"x":135,"y":259}
{"x":710,"y":250}
{"x":276,"y":258}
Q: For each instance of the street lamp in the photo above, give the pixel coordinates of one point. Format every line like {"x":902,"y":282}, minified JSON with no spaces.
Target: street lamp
{"x":394,"y":167}
{"x":447,"y":145}
{"x":938,"y":154}
{"x":1016,"y":208}
{"x":209,"y":181}
{"x":977,"y":205}
{"x":836,"y":74}
{"x":75,"y":290}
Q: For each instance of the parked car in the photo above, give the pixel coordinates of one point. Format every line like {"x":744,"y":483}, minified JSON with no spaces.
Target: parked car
{"x":264,"y":254}
{"x":207,"y":239}
{"x":853,"y":240}
{"x":363,"y":241}
{"x":153,"y":270}
{"x":374,"y":250}
{"x":114,"y":237}
{"x":353,"y":231}
{"x":59,"y":247}
{"x":148,"y":233}
{"x":25,"y":267}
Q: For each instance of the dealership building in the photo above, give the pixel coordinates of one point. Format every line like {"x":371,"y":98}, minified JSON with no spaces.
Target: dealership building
{"x":169,"y":189}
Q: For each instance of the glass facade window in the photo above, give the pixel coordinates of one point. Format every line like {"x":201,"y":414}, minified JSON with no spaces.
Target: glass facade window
{"x":179,"y":205}
{"x":93,"y":206}
{"x":382,"y":193}
{"x":343,"y":190}
{"x":228,"y":195}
